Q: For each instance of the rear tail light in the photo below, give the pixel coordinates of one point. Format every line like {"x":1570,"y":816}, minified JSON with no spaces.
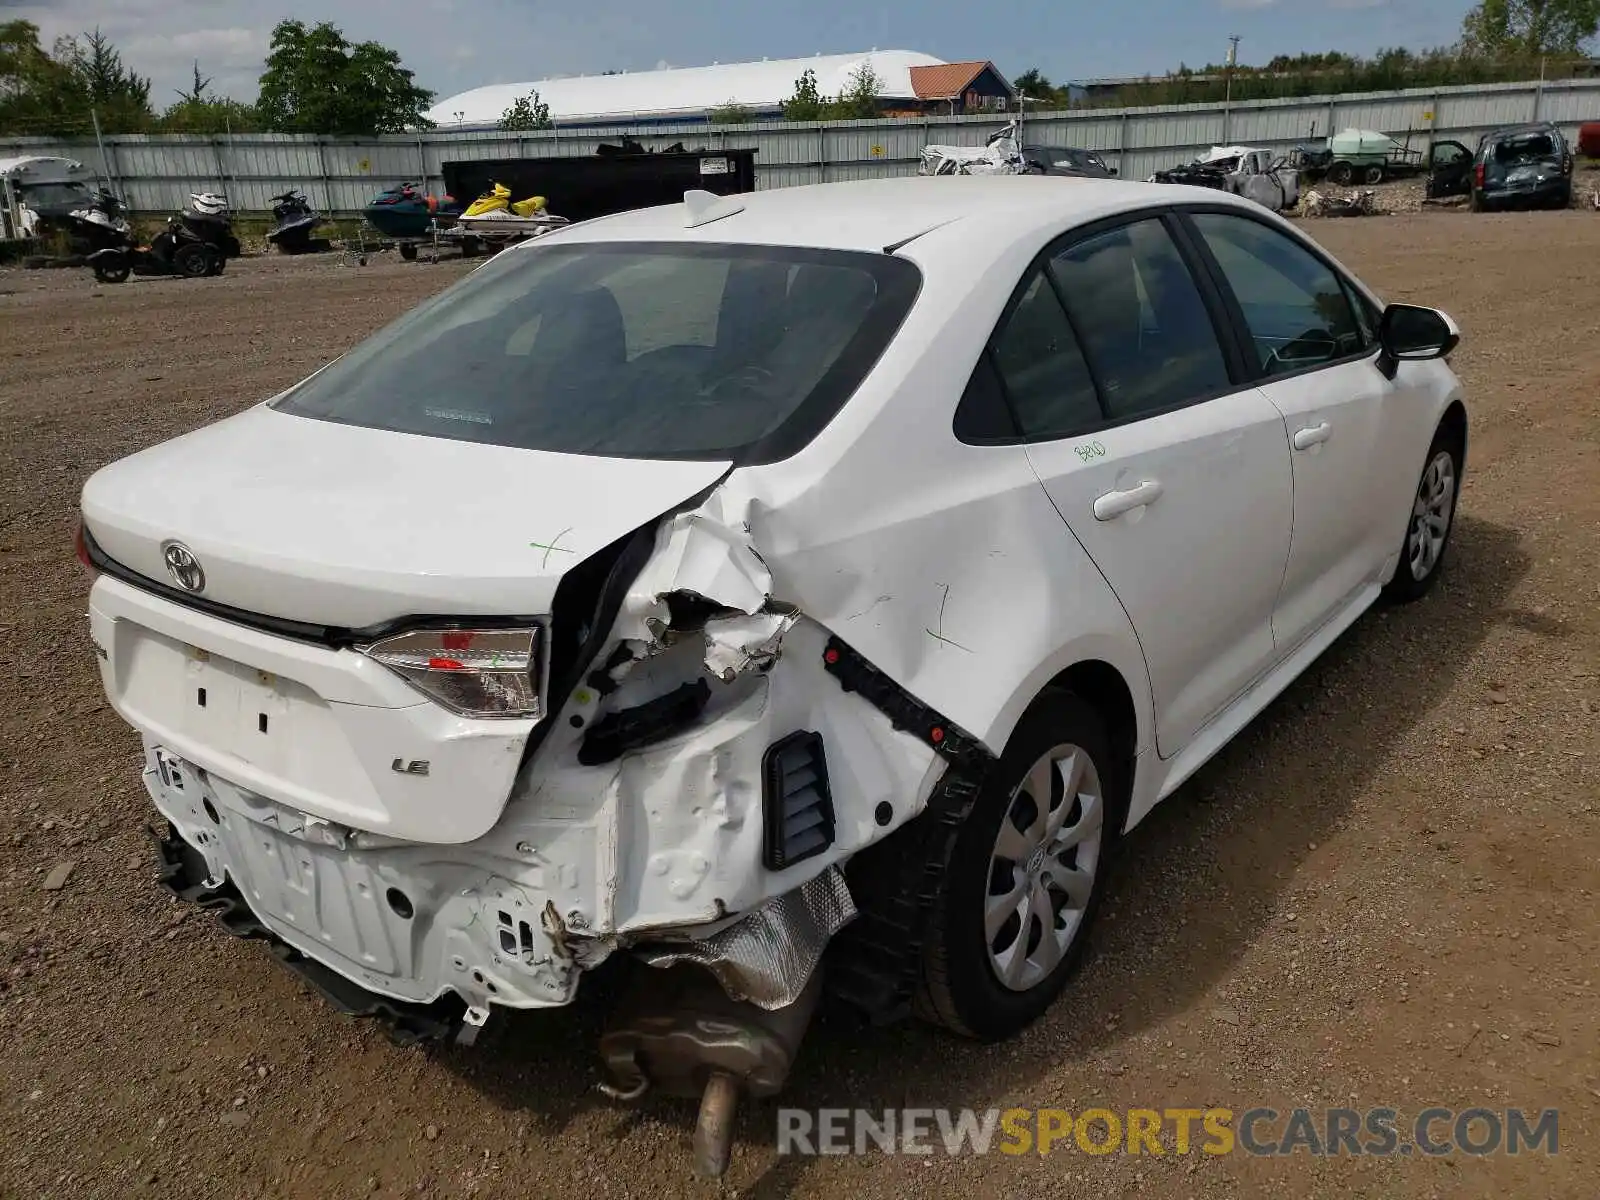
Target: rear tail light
{"x":1478,"y":174}
{"x":81,"y":545}
{"x":474,"y":672}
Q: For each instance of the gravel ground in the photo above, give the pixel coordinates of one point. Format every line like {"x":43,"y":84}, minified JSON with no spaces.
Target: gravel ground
{"x":1384,"y":893}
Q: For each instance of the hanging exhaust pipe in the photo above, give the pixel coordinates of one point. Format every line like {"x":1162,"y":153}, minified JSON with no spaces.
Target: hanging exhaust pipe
{"x":679,"y":1032}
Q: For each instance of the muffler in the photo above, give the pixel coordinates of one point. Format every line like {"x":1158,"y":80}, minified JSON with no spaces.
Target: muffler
{"x":679,"y":1032}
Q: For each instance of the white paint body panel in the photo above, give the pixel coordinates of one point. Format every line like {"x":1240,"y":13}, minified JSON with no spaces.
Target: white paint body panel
{"x":973,"y":576}
{"x":1198,"y":569}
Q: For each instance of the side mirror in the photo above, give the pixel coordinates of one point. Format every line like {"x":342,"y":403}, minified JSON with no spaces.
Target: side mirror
{"x":1411,"y":333}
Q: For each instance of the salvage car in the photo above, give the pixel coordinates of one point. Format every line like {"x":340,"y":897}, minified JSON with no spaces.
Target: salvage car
{"x":1058,"y":160}
{"x":1524,"y":166}
{"x":794,"y":590}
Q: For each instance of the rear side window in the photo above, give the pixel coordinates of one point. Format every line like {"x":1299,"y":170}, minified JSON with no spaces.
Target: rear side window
{"x":1295,"y":306}
{"x":1145,"y":329}
{"x":637,"y":350}
{"x":1046,"y":379}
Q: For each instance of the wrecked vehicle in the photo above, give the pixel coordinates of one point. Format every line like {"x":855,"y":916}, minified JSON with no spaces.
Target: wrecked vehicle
{"x":1525,"y":166}
{"x":1260,"y":175}
{"x":1001,"y":154}
{"x":1065,"y":160}
{"x":772,"y":591}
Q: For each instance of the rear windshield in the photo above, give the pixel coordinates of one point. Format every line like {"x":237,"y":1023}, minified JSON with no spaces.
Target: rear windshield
{"x":1526,"y":146}
{"x":637,"y":350}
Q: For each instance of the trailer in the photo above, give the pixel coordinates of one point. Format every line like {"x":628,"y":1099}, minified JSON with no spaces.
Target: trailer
{"x":1360,"y":156}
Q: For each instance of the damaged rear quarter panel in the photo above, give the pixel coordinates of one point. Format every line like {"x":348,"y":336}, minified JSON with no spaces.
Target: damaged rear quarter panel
{"x":944,"y":565}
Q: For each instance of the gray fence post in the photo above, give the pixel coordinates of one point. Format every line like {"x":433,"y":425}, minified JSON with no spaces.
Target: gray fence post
{"x":1122,"y":146}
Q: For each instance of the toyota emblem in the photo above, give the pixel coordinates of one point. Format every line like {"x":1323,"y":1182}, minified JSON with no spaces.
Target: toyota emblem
{"x":184,"y":567}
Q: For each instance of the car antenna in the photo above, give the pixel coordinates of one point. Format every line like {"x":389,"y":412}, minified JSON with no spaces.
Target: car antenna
{"x":702,"y":207}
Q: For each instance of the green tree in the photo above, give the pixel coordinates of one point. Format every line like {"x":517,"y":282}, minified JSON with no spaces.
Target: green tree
{"x":731,"y":113}
{"x":318,"y":82}
{"x":119,"y":97}
{"x":859,"y":100}
{"x":526,"y":113}
{"x":198,"y":112}
{"x":1529,"y":28}
{"x":1033,"y":84}
{"x":806,"y":103}
{"x":61,"y":92}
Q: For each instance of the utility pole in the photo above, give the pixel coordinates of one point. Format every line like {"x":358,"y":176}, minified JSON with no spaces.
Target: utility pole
{"x":1227,"y":100}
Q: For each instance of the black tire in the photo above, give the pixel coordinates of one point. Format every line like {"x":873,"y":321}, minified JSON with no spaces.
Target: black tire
{"x":1478,"y":203}
{"x":1562,"y":199}
{"x":112,"y":273}
{"x":219,"y":264}
{"x":961,"y":987}
{"x":1373,"y":175}
{"x":193,"y":261}
{"x":1418,"y":571}
{"x":1342,"y":173}
{"x":408,"y":251}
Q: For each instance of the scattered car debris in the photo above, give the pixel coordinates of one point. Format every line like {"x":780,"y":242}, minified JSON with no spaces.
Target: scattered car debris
{"x":1358,"y":204}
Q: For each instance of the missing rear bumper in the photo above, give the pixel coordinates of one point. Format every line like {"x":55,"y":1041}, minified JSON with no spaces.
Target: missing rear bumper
{"x":183,"y":873}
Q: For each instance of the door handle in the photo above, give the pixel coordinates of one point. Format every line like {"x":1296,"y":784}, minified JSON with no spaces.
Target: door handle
{"x":1114,"y":504}
{"x":1304,"y":439}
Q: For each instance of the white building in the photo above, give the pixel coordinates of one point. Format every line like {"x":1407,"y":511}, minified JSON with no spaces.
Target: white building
{"x":688,"y":94}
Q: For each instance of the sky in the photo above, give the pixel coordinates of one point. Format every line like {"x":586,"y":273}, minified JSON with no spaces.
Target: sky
{"x":453,"y":45}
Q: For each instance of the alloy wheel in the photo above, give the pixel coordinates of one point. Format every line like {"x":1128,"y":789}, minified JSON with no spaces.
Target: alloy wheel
{"x":1042,"y":869}
{"x":1431,"y":513}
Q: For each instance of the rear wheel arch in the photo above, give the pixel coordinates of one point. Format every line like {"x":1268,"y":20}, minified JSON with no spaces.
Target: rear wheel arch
{"x":1101,"y":686}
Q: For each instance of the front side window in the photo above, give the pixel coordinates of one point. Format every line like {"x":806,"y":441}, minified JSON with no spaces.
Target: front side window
{"x":635,"y":350}
{"x":1145,"y":329}
{"x":1296,"y":309}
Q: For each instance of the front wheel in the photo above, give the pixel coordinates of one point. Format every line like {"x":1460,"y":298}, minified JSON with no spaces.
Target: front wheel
{"x":1433,"y":512}
{"x":194,"y":260}
{"x":1025,"y":877}
{"x":116,"y":272}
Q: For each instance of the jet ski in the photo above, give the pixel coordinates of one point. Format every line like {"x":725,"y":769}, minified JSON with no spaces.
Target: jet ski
{"x":495,"y":212}
{"x":296,"y":220}
{"x":406,"y":211}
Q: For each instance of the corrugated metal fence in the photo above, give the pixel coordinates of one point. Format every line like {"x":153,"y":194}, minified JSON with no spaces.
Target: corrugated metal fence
{"x":339,"y":175}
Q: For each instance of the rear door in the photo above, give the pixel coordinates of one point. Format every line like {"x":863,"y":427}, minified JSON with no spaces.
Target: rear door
{"x":1173,"y":476}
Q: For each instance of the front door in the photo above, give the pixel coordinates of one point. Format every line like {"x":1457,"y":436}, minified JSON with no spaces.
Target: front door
{"x":1449,"y":170}
{"x":1319,"y":369}
{"x":1174,"y":479}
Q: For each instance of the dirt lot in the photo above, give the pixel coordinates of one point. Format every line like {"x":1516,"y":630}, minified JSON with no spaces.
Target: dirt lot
{"x":1384,"y":894}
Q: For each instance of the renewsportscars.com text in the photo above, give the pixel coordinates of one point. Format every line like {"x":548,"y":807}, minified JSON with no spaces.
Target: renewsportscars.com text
{"x":1260,"y":1132}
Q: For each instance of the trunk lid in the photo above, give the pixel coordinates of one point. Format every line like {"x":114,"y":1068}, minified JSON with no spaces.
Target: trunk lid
{"x":331,"y":524}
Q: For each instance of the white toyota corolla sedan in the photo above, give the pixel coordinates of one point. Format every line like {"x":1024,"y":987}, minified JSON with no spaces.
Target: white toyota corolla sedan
{"x":793,"y":591}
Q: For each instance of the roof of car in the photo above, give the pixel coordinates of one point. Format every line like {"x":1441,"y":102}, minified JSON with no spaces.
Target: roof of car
{"x":879,"y":213}
{"x":1517,"y":130}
